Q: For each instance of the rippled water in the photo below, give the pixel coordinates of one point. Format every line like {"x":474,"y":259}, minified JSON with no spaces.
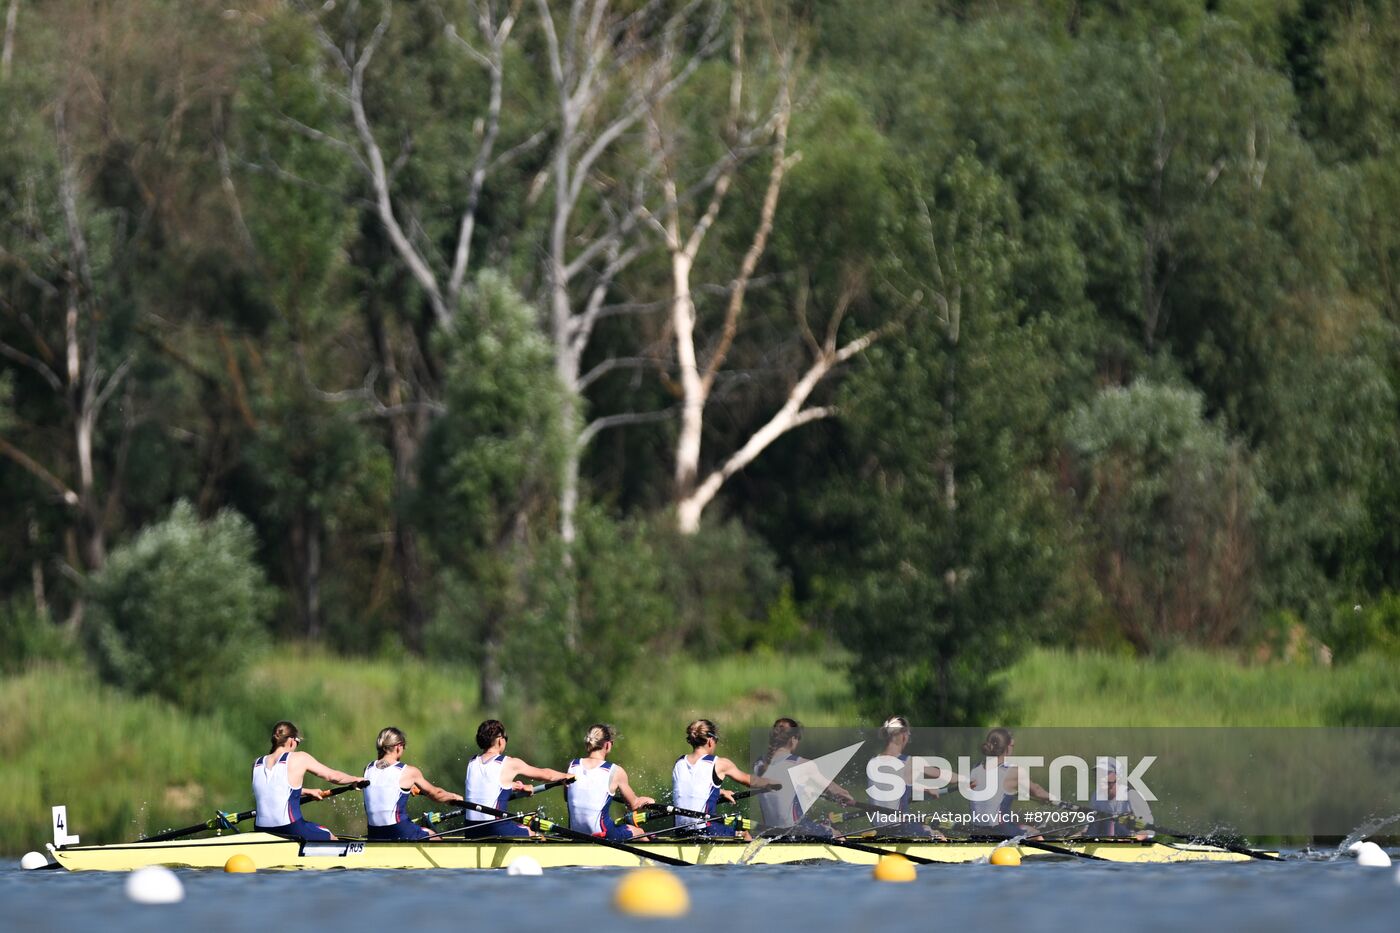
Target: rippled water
{"x":1087,"y":898}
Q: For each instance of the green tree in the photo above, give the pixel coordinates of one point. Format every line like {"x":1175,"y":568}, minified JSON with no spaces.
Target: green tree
{"x":1170,"y":509}
{"x":948,"y":564}
{"x":177,"y":611}
{"x":488,"y":485}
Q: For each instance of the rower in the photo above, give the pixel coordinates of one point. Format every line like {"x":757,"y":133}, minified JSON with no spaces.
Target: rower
{"x":492,"y":775}
{"x":781,"y":809}
{"x":895,"y":735}
{"x":597,"y":782}
{"x":390,"y":782}
{"x":994,"y":816}
{"x":278,"y":791}
{"x":1106,"y":800}
{"x":696,"y":779}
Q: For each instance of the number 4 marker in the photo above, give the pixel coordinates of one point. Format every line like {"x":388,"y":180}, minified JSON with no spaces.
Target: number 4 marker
{"x":60,"y":828}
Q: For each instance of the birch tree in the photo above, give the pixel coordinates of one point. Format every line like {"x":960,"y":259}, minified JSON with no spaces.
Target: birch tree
{"x":608,"y":72}
{"x":56,"y":301}
{"x":683,"y":225}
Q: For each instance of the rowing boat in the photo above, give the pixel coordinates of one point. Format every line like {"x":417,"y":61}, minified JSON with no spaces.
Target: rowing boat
{"x":274,"y":852}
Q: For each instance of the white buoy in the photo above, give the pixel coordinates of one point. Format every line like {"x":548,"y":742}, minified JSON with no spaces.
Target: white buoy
{"x":524,"y":865}
{"x":33,"y":860}
{"x":154,"y":885}
{"x":1370,"y":855}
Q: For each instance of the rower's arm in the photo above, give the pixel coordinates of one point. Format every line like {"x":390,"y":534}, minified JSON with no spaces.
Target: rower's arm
{"x":724,"y":768}
{"x":521,"y":769}
{"x":324,"y":772}
{"x":624,"y":790}
{"x":417,"y":780}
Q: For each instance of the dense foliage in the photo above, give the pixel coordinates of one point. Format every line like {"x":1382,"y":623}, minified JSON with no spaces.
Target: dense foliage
{"x":963,"y":326}
{"x":179,"y":610}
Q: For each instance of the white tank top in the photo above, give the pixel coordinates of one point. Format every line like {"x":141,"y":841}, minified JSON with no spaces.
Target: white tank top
{"x":589,"y":797}
{"x":484,"y":786}
{"x":278,"y":803}
{"x":694,"y":787}
{"x":778,"y":808}
{"x":386,"y":803}
{"x":999,"y":803}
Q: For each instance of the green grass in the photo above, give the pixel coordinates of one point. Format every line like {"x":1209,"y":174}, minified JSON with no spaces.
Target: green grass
{"x":1192,"y":688}
{"x":127,"y":766}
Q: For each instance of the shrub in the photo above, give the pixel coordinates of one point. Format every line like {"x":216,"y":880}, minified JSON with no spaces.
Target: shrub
{"x":1361,"y":629}
{"x":27,"y":636}
{"x":178,"y":610}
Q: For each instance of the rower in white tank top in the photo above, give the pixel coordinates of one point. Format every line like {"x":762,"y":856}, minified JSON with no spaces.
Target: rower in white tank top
{"x":781,"y":809}
{"x":695,"y":786}
{"x":277,"y":786}
{"x":492,"y":775}
{"x":597,"y":782}
{"x":390,"y":782}
{"x":994,"y":816}
{"x":696,"y":780}
{"x":386,"y":801}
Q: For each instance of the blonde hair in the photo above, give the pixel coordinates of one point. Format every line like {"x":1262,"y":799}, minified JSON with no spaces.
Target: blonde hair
{"x":389,"y":736}
{"x":599,"y":735}
{"x":281,"y":732}
{"x":895,"y":725}
{"x":699,"y":732}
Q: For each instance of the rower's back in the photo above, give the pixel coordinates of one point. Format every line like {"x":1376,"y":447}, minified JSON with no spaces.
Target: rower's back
{"x":694,"y":785}
{"x":590,"y":795}
{"x":483,"y":785}
{"x":278,"y":803}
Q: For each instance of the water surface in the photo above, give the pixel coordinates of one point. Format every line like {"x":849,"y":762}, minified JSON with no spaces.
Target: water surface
{"x":1279,"y":897}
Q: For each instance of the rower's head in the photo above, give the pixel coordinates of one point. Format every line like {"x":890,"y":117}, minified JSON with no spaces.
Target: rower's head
{"x":283,"y":733}
{"x":489,"y":733}
{"x":702,"y":734}
{"x":1106,"y":771}
{"x":786,"y":733}
{"x":599,"y":737}
{"x":998,"y":743}
{"x":390,"y":738}
{"x":895,"y":731}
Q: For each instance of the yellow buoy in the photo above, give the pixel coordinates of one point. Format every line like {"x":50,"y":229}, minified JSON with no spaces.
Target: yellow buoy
{"x":1005,"y":855}
{"x":651,"y":892}
{"x":894,"y":868}
{"x":239,"y":864}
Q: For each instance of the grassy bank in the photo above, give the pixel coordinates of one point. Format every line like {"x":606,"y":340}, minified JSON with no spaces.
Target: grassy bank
{"x":126,"y":766}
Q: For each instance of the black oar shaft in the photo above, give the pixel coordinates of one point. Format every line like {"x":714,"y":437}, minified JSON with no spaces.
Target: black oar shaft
{"x":231,"y":818}
{"x":581,"y":837}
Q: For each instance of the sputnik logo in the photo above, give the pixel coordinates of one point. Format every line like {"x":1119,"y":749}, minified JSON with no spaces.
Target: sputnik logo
{"x":810,"y":779}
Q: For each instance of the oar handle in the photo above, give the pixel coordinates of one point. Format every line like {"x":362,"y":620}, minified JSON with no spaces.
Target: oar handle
{"x":540,"y":788}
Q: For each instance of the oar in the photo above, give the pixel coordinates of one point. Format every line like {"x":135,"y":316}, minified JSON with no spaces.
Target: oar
{"x":428,"y":819}
{"x":566,"y":833}
{"x":227,"y":820}
{"x":668,"y":810}
{"x":540,"y":788}
{"x":1165,"y":831}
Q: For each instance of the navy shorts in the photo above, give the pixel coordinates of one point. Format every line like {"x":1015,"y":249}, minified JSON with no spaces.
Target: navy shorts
{"x":301,"y":829}
{"x":402,"y":830}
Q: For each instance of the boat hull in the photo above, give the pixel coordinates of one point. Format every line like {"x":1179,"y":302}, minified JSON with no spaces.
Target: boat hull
{"x":273,"y":852}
